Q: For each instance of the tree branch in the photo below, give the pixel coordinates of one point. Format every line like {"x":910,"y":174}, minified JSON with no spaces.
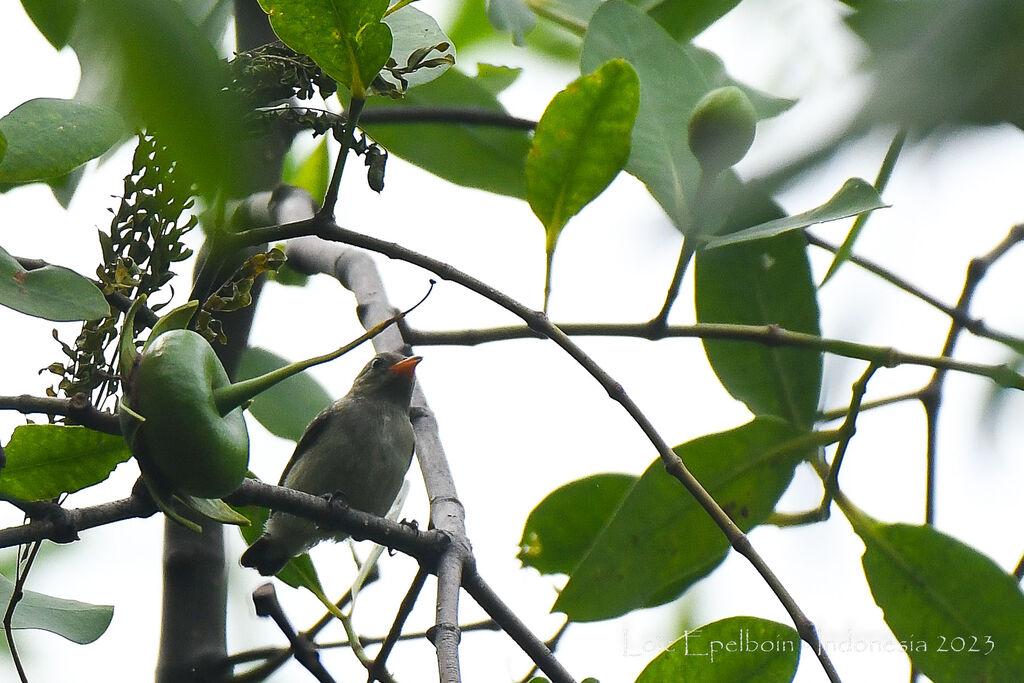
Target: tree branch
{"x":78,"y":408}
{"x":767,"y":335}
{"x":539,"y":322}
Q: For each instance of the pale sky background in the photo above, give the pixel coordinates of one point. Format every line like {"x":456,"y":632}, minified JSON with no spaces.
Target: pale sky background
{"x":519,"y":419}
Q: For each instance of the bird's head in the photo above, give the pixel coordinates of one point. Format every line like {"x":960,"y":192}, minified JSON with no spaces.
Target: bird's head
{"x":388,"y":374}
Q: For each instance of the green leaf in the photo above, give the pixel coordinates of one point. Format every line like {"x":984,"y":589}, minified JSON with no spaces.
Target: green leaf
{"x":53,"y":19}
{"x":311,"y":173}
{"x":660,"y":541}
{"x":496,"y":79}
{"x":673,"y":78}
{"x":563,"y":526}
{"x":50,"y":292}
{"x":581,"y":143}
{"x":855,"y":197}
{"x":44,"y":461}
{"x":936,"y":64}
{"x":413,"y":31}
{"x":299,"y":572}
{"x":177,"y":319}
{"x":212,"y":508}
{"x":512,"y":16}
{"x":767,"y":282}
{"x":286,"y":408}
{"x":346,"y":39}
{"x":149,"y":61}
{"x":485,"y":157}
{"x":685,"y":19}
{"x":960,"y":615}
{"x":49,"y":138}
{"x":76,"y":621}
{"x":728,"y":651}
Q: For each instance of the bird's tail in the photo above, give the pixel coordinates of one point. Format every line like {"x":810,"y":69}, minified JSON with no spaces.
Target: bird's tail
{"x":265,"y":556}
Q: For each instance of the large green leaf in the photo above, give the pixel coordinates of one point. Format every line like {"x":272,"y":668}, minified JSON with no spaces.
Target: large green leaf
{"x":514,"y":16}
{"x":732,"y":650}
{"x":767,"y":282}
{"x":660,"y":541}
{"x":346,"y":39}
{"x":580,"y":145}
{"x":53,"y":19}
{"x":936,"y":64}
{"x":77,"y":621}
{"x":50,"y":292}
{"x":148,"y":60}
{"x":44,"y":461}
{"x":486,"y":157}
{"x":673,"y":77}
{"x":960,"y":614}
{"x":563,"y":526}
{"x":286,"y":408}
{"x":49,"y":138}
{"x":855,"y":197}
{"x":685,"y":19}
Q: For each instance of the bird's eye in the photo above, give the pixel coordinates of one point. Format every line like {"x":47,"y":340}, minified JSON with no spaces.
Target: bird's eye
{"x":377,"y":363}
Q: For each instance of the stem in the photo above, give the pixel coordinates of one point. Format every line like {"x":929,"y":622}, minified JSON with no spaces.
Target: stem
{"x":884,"y":173}
{"x":686,"y":252}
{"x":233,"y":395}
{"x":675,"y":467}
{"x":331,"y":198}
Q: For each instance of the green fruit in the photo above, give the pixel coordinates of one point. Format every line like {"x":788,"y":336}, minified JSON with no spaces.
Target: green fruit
{"x":721,"y":128}
{"x":184,"y":438}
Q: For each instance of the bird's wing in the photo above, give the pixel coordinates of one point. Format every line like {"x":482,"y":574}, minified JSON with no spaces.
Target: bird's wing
{"x":308,"y":436}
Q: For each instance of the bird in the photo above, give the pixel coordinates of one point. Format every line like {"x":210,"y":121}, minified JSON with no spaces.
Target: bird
{"x":359,"y":448}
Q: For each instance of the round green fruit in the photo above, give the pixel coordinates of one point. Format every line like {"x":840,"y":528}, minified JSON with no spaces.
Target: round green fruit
{"x":721,"y":128}
{"x":184,"y":437}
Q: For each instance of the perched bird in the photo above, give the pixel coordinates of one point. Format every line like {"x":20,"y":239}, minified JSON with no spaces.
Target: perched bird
{"x":359,"y":447}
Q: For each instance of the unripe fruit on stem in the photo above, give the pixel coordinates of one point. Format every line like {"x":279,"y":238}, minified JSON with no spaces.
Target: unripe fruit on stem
{"x":185,"y":438}
{"x":721,"y":128}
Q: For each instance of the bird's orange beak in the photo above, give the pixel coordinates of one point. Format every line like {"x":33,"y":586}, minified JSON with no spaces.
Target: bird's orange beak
{"x":406,"y":366}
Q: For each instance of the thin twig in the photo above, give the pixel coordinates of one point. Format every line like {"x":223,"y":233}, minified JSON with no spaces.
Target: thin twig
{"x":500,"y":612}
{"x":673,"y":464}
{"x":305,"y":652}
{"x":408,"y":602}
{"x":767,"y":335}
{"x":973,"y":325}
{"x":17,"y":593}
{"x":931,"y":394}
{"x":460,"y":115}
{"x":331,"y":198}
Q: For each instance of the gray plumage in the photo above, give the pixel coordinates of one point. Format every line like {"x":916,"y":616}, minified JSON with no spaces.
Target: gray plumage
{"x":359,"y":447}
